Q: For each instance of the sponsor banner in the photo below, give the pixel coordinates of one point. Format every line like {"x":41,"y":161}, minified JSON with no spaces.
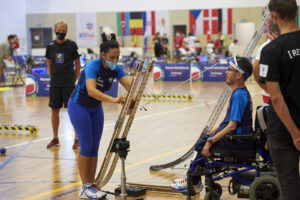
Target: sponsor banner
{"x":172,"y":72}
{"x":86,"y":29}
{"x":183,"y":72}
{"x":43,"y":84}
{"x":158,"y":73}
{"x":216,"y":73}
{"x":37,"y":84}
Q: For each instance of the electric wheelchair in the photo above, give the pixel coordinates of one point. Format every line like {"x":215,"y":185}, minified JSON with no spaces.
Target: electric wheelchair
{"x":251,"y":171}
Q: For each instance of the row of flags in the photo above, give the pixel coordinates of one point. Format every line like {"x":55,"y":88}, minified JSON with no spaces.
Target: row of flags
{"x":142,"y":23}
{"x":204,"y":21}
{"x":201,"y":21}
{"x":210,"y":21}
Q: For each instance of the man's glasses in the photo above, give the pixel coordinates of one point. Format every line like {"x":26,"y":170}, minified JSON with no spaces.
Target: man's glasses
{"x":232,"y":70}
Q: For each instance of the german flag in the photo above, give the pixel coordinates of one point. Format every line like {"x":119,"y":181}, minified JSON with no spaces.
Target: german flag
{"x":136,"y":23}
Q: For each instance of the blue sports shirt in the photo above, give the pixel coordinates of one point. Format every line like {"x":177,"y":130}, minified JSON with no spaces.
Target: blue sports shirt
{"x":94,"y":69}
{"x":239,"y":110}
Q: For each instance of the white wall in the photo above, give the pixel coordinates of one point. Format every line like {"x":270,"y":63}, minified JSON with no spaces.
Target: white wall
{"x":13,"y":21}
{"x":73,"y":6}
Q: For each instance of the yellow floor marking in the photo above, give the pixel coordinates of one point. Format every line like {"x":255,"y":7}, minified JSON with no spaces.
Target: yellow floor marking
{"x":5,"y":88}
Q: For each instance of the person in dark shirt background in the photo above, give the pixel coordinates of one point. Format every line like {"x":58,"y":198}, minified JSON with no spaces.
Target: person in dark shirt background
{"x":61,"y":54}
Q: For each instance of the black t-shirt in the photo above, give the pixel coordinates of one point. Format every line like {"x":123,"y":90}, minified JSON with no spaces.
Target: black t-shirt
{"x":280,"y":62}
{"x":62,"y":62}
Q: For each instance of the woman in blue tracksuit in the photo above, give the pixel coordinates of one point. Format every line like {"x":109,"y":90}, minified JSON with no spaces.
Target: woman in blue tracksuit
{"x":86,"y":113}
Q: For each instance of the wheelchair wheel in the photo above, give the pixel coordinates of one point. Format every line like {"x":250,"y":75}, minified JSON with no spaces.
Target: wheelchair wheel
{"x":218,"y":188}
{"x":265,"y":188}
{"x":212,"y":195}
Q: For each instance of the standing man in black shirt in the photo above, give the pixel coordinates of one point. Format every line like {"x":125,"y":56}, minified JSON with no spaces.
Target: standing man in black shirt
{"x":280,"y":64}
{"x":61,"y":54}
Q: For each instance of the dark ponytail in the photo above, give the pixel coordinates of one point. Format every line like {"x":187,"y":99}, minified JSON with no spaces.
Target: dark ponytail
{"x":108,"y":44}
{"x":104,"y":38}
{"x":113,"y":36}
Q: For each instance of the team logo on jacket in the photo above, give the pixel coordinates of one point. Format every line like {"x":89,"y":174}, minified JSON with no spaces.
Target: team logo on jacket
{"x":59,"y":57}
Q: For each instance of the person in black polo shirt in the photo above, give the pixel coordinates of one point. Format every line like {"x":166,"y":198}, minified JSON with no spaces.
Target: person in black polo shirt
{"x":280,"y":65}
{"x":61,"y":54}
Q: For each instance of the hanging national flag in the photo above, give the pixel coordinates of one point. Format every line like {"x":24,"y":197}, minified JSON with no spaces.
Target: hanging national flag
{"x":162,"y":22}
{"x":195,"y":21}
{"x":134,"y":40}
{"x":211,"y":21}
{"x":225,"y":20}
{"x":123,"y":23}
{"x":149,"y":19}
{"x":136,"y":23}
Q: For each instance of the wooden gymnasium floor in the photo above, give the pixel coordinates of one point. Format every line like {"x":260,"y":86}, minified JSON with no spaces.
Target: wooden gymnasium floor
{"x":163,"y":133}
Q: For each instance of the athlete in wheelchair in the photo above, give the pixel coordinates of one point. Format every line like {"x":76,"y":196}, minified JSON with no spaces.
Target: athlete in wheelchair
{"x":231,"y":149}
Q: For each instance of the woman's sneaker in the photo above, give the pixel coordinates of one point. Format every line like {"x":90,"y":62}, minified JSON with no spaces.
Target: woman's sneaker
{"x":181,"y":185}
{"x":87,"y":191}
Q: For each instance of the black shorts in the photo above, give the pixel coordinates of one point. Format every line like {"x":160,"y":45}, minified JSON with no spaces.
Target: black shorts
{"x":59,"y":96}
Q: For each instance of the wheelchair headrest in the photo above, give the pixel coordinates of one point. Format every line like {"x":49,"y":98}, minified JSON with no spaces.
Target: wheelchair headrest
{"x":261,"y":117}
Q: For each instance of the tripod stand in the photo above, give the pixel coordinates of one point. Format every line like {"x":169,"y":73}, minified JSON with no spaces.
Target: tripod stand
{"x":121,"y":147}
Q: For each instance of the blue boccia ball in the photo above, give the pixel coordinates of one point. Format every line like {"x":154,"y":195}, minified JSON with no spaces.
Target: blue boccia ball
{"x":2,"y":151}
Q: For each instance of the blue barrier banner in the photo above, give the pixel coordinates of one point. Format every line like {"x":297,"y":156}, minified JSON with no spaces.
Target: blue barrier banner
{"x":39,"y":70}
{"x":176,"y":72}
{"x":43,"y":81}
{"x":160,"y":60}
{"x":216,"y":73}
{"x":39,"y":85}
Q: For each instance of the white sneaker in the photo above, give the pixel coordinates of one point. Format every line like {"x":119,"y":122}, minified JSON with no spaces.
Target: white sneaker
{"x":181,"y":185}
{"x":179,"y":180}
{"x":89,"y":192}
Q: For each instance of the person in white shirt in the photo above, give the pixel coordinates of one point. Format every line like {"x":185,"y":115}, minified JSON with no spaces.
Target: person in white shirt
{"x":273,"y":34}
{"x":210,"y":51}
{"x":231,"y":47}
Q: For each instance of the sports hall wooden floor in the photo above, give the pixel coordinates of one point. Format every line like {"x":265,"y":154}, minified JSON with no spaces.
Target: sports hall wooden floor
{"x":163,"y":133}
